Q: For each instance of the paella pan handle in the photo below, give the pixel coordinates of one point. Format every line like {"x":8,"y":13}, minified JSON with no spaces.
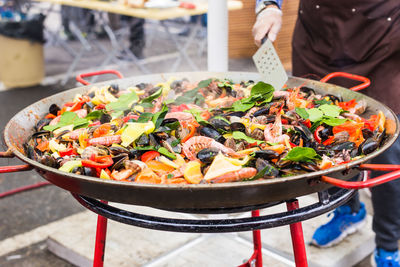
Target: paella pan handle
{"x":16,"y":168}
{"x":80,"y":77}
{"x":394,"y":173}
{"x":365,"y":84}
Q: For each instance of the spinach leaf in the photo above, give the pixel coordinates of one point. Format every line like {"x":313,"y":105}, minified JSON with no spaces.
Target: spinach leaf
{"x":241,"y":136}
{"x":333,"y":121}
{"x":330,"y":110}
{"x":155,"y":95}
{"x":158,"y":117}
{"x":302,"y":154}
{"x":242,"y":106}
{"x":302,"y":113}
{"x":145,"y":117}
{"x":314,"y":114}
{"x":123,"y":103}
{"x":264,"y":89}
{"x":68,"y":118}
{"x":173,"y":125}
{"x":94,"y":115}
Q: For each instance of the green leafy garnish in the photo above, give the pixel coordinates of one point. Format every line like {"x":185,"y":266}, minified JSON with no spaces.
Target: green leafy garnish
{"x":68,"y":118}
{"x":302,"y":154}
{"x":170,"y":176}
{"x":260,"y":93}
{"x":165,"y":152}
{"x":330,"y":110}
{"x":193,"y":96}
{"x":317,"y":114}
{"x":197,"y":115}
{"x":204,"y":83}
{"x":302,"y":113}
{"x":123,"y":103}
{"x":262,"y":88}
{"x":241,"y":136}
{"x":145,"y":148}
{"x":94,"y":115}
{"x":175,"y":142}
{"x":333,"y":121}
{"x":145,"y":117}
{"x":173,"y":125}
{"x":322,"y":102}
{"x":158,"y":117}
{"x":242,"y":106}
{"x":261,"y":173}
{"x":155,"y":95}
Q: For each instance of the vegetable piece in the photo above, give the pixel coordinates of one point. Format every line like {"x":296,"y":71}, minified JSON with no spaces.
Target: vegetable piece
{"x":329,"y":141}
{"x":147,"y":176}
{"x":134,"y":130}
{"x":347,"y":105}
{"x":242,"y":136}
{"x":302,"y":154}
{"x":159,"y":167}
{"x":193,"y":173}
{"x":68,"y":118}
{"x":307,"y":123}
{"x":70,"y":165}
{"x":123,"y":103}
{"x":165,"y":152}
{"x":316,"y":133}
{"x":220,"y":166}
{"x":50,"y":116}
{"x":104,"y":175}
{"x":98,"y":162}
{"x":149,"y":155}
{"x":43,"y":145}
{"x":192,"y":131}
{"x":68,"y":152}
{"x":168,"y":162}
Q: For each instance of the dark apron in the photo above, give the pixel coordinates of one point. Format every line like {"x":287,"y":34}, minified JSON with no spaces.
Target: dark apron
{"x":356,"y":36}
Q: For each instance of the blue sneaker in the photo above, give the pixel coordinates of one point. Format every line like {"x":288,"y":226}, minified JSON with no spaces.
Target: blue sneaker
{"x":384,"y":258}
{"x":343,"y":223}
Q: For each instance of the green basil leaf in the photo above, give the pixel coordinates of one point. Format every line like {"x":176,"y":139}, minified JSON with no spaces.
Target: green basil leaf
{"x":68,"y":118}
{"x":175,"y":142}
{"x":155,"y":95}
{"x":302,"y":154}
{"x":159,"y":116}
{"x":330,"y":110}
{"x":147,"y":105}
{"x":145,"y":117}
{"x":261,"y":173}
{"x":170,"y":176}
{"x":221,"y":118}
{"x":262,"y":88}
{"x":124,"y":102}
{"x":240,"y":106}
{"x":94,"y":115}
{"x":204,"y":83}
{"x":173,"y":125}
{"x":165,"y":152}
{"x":322,"y":102}
{"x":302,"y":113}
{"x":241,"y":136}
{"x":333,"y":121}
{"x":314,"y":114}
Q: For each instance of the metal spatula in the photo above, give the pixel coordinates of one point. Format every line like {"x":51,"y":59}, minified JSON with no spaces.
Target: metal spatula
{"x":269,"y":65}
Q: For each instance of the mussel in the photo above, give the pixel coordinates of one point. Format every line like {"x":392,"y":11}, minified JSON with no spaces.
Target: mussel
{"x":236,"y":114}
{"x":209,"y":132}
{"x":113,"y":89}
{"x":172,"y":144}
{"x":368,"y":146}
{"x":105,"y":118}
{"x":334,"y":98}
{"x":54,"y":109}
{"x":207,"y":155}
{"x":119,"y":161}
{"x":344,"y":146}
{"x":270,"y":172}
{"x":238,"y":126}
{"x":266,"y":154}
{"x":143,"y":140}
{"x":261,"y":111}
{"x":41,"y":123}
{"x":220,"y":125}
{"x":48,"y":160}
{"x":307,"y":90}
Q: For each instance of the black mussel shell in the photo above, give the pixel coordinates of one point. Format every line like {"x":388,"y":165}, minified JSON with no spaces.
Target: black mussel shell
{"x":152,"y":140}
{"x":236,"y":114}
{"x":48,"y":160}
{"x":380,"y":136}
{"x":113,"y":89}
{"x":307,"y":90}
{"x":261,"y":111}
{"x":266,"y":154}
{"x":169,"y":120}
{"x":334,"y":98}
{"x":40,"y":134}
{"x":174,"y":144}
{"x":53,"y":109}
{"x":220,"y":125}
{"x":367,"y":133}
{"x":368,"y":146}
{"x":105,"y":118}
{"x":117,"y":150}
{"x":238,"y":126}
{"x":344,"y":146}
{"x":271,"y":171}
{"x":134,"y":153}
{"x":154,"y":89}
{"x":41,"y":123}
{"x":119,"y":161}
{"x":207,"y":155}
{"x":305,"y":133}
{"x":309,"y":166}
{"x":91,"y":94}
{"x":209,"y":132}
{"x":143,"y":140}
{"x":142,"y":86}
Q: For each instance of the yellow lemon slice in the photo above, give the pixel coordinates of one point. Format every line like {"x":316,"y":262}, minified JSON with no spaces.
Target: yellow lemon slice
{"x":134,"y":130}
{"x":220,"y":166}
{"x":193,"y":173}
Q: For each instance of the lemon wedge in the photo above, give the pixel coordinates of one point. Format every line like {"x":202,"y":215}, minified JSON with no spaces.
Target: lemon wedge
{"x":193,"y":173}
{"x":134,"y":130}
{"x":239,"y":162}
{"x":220,"y":166}
{"x":104,"y":175}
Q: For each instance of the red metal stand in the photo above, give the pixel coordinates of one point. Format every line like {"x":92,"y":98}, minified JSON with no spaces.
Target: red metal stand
{"x":256,"y":258}
{"x":100,"y":245}
{"x":296,"y":231}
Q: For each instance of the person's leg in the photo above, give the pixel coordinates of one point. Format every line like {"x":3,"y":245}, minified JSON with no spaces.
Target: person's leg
{"x":386,"y":203}
{"x":137,"y":37}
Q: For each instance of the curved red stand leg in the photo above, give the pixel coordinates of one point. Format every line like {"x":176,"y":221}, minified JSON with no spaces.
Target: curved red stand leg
{"x":256,"y":258}
{"x":100,"y":245}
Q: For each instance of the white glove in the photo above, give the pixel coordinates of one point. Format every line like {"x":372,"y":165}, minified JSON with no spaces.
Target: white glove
{"x":268,"y":23}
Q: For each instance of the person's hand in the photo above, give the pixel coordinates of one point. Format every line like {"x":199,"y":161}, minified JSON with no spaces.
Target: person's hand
{"x":268,"y":23}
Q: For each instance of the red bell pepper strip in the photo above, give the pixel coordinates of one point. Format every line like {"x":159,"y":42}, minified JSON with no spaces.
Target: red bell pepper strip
{"x":149,"y":155}
{"x":68,"y":152}
{"x":129,"y":117}
{"x":98,"y":162}
{"x":192,"y":129}
{"x":307,"y":123}
{"x":316,"y":133}
{"x":205,"y":115}
{"x":50,"y":116}
{"x":102,"y":130}
{"x":181,"y":107}
{"x":100,"y":106}
{"x":347,"y":105}
{"x":328,"y":141}
{"x":69,"y":104}
{"x":284,"y":121}
{"x":94,"y":124}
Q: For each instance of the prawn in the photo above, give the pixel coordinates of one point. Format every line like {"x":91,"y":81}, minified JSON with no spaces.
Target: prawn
{"x":235,"y":176}
{"x":273,"y":132}
{"x":180,"y":115}
{"x":105,"y":140}
{"x":192,"y":146}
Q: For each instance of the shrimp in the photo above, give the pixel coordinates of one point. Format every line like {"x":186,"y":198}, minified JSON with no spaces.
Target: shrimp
{"x":235,"y":176}
{"x":74,"y":135}
{"x":197,"y":143}
{"x":81,"y":113}
{"x":105,"y":140}
{"x":180,"y":115}
{"x":273,"y":132}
